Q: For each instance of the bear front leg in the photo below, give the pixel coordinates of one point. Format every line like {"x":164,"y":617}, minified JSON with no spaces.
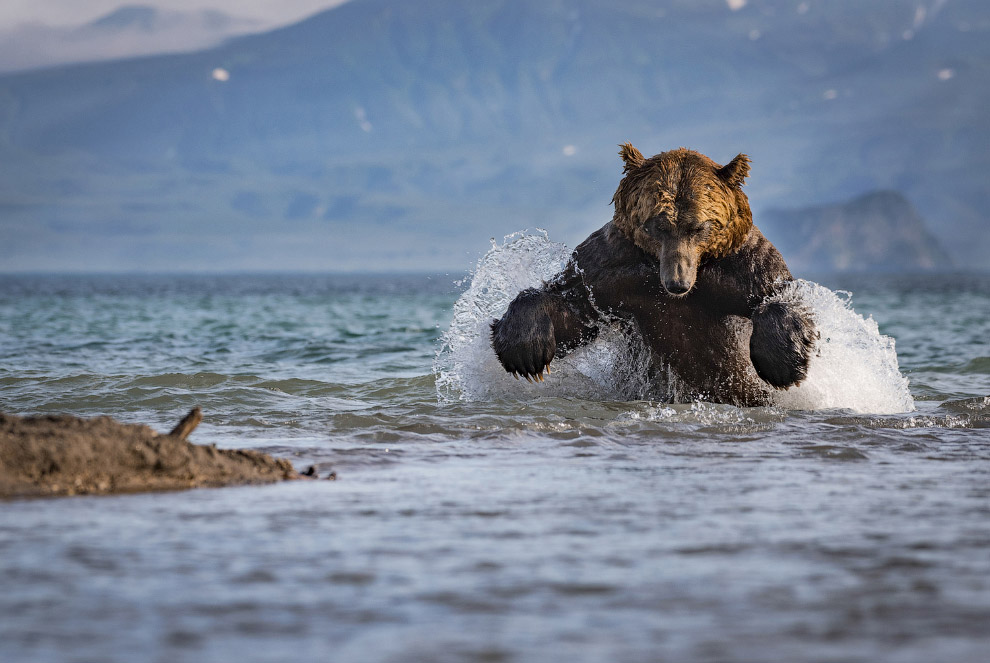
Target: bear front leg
{"x":538,"y":326}
{"x":783,"y":338}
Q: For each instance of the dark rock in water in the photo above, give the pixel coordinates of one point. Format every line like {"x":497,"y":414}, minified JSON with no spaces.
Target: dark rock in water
{"x":877,"y":232}
{"x":66,"y":455}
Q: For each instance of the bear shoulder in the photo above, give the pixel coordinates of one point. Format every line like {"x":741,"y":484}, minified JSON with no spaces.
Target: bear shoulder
{"x":749,"y":274}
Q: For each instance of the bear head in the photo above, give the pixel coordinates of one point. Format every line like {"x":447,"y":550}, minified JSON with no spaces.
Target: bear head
{"x":680,"y":207}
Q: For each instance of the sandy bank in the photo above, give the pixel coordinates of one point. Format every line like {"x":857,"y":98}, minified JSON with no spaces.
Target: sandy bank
{"x":66,"y":455}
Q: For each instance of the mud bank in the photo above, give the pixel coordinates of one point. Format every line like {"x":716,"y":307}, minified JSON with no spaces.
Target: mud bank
{"x":66,"y":455}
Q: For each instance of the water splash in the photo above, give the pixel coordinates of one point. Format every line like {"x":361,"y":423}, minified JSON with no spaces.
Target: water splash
{"x":466,"y":369}
{"x":855,"y":367}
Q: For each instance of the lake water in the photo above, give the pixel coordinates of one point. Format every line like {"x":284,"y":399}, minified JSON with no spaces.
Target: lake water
{"x":477,"y":518}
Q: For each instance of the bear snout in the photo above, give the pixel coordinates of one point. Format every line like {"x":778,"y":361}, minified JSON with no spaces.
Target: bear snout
{"x":677,"y":288}
{"x":678,"y":273}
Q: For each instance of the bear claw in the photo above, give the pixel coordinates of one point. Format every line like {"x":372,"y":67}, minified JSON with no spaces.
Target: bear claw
{"x":535,"y":377}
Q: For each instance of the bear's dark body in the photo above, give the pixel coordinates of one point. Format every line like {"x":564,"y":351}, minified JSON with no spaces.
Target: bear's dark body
{"x":721,"y":338}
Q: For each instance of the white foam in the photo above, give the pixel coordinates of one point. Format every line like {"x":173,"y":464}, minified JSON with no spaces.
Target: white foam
{"x":855,"y":367}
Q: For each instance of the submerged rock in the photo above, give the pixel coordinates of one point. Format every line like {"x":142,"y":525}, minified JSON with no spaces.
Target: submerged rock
{"x":66,"y":455}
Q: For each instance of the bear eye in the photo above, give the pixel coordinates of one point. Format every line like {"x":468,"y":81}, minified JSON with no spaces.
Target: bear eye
{"x":658,"y":222}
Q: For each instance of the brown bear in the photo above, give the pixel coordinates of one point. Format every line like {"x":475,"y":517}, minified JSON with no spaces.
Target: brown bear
{"x":682,"y":260}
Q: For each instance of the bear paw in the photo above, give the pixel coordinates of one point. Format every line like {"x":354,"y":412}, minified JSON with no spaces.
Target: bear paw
{"x":524,"y":342}
{"x":783,"y":339}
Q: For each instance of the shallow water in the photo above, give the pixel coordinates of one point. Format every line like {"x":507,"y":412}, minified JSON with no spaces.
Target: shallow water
{"x":479,"y":518}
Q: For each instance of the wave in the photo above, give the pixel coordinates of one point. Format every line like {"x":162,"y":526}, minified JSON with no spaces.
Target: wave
{"x":975,"y":366}
{"x":855,"y":367}
{"x":959,"y":413}
{"x":224,"y":397}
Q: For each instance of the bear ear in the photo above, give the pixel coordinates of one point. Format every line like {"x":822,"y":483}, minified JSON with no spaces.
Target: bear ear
{"x":632,"y":157}
{"x":734,"y":173}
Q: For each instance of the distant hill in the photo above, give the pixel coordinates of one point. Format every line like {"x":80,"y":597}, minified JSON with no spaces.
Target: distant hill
{"x":876,"y":232}
{"x":127,"y":31}
{"x":143,"y":17}
{"x":152,"y":20}
{"x":431,"y":126}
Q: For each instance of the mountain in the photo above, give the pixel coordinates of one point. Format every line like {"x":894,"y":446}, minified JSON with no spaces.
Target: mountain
{"x":152,"y":20}
{"x":141,"y":17}
{"x":389,"y":134}
{"x":876,"y":232}
{"x":128,"y":30}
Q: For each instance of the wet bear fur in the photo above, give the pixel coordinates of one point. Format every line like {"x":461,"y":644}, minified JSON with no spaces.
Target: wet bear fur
{"x":682,"y":260}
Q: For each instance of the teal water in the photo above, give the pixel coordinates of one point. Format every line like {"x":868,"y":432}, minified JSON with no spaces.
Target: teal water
{"x":480,"y":519}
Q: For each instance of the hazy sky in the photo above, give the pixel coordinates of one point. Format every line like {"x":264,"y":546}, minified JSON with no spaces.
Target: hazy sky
{"x":76,"y":12}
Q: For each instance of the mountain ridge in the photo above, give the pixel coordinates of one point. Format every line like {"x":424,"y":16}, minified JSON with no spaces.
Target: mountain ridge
{"x":879,"y":231}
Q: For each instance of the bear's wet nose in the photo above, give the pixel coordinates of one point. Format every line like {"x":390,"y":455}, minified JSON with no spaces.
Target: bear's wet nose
{"x":677,"y":287}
